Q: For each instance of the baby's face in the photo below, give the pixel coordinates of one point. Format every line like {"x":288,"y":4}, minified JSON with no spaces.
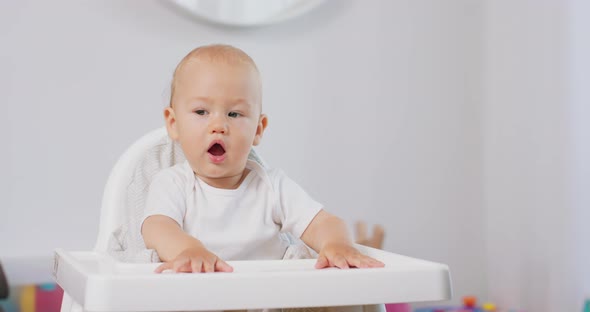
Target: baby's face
{"x":216,"y":118}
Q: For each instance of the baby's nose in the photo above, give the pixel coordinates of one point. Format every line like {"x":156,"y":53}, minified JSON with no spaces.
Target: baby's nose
{"x":220,"y":130}
{"x":218,"y":126}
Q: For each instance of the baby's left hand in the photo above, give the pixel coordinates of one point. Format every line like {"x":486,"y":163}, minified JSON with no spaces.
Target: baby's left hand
{"x":344,"y":256}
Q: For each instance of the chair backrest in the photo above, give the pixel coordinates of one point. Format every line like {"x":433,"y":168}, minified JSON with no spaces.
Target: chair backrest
{"x":126,"y":189}
{"x":129,"y":179}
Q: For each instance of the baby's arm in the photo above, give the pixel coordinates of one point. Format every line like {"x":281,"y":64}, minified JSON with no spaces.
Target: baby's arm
{"x":327,"y":235}
{"x":179,"y":251}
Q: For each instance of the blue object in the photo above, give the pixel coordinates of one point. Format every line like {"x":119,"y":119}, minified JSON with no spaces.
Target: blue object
{"x":8,"y":305}
{"x":47,"y":286}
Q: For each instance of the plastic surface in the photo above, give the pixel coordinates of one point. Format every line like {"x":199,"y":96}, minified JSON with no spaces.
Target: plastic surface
{"x":115,"y":193}
{"x":98,"y":283}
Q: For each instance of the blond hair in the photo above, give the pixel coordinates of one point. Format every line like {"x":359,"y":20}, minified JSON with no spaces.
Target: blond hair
{"x":214,"y":53}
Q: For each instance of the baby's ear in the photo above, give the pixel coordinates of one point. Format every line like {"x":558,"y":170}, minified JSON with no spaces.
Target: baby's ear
{"x":170,"y":119}
{"x":262,"y":123}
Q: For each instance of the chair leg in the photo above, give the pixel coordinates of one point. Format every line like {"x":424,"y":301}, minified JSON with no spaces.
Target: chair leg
{"x":68,"y":305}
{"x":374,"y":308}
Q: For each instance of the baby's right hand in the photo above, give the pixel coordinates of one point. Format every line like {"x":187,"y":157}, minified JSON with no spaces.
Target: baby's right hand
{"x":196,"y":260}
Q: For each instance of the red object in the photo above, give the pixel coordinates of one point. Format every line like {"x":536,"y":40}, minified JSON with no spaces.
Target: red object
{"x":469,"y":301}
{"x":48,"y":299}
{"x":398,"y":307}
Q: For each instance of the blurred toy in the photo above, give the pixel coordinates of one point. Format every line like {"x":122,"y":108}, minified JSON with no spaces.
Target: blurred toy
{"x":469,"y":302}
{"x":398,"y":307}
{"x":3,"y":284}
{"x":469,"y":305}
{"x":33,"y":298}
{"x":27,"y":299}
{"x":375,"y":241}
{"x":48,"y":297}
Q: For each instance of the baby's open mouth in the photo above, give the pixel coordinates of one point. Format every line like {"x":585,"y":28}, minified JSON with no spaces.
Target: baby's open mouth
{"x":216,"y":150}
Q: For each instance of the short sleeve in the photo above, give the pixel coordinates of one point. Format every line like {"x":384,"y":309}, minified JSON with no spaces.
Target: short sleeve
{"x":166,"y":196}
{"x":296,"y":209}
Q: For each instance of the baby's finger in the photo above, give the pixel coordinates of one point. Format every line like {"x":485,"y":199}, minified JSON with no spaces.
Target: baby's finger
{"x":353,"y":260}
{"x":340,"y":262}
{"x":322,"y":262}
{"x":182,"y":265}
{"x":209,"y":265}
{"x":196,"y":266}
{"x":374,"y":263}
{"x":163,"y":267}
{"x":368,"y":262}
{"x":222,"y":266}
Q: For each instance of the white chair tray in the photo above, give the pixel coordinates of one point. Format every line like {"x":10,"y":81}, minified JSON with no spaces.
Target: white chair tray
{"x":97,"y":282}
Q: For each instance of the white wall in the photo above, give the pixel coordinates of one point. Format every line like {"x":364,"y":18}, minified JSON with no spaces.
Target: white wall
{"x":536,"y":151}
{"x":577,"y":250}
{"x":374,"y":108}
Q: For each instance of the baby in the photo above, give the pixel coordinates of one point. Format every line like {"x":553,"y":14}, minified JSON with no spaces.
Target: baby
{"x":219,"y":205}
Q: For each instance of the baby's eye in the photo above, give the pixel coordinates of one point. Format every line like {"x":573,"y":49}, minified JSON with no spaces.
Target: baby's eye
{"x":233,"y":114}
{"x":200,"y":112}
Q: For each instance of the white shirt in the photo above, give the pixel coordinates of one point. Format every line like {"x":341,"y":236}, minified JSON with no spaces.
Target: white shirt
{"x":246,"y":223}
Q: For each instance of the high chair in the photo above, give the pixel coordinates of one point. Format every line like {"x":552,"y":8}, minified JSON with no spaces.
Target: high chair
{"x":118,"y":274}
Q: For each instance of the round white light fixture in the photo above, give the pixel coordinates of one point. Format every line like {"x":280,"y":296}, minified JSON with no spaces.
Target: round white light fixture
{"x":244,"y":13}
